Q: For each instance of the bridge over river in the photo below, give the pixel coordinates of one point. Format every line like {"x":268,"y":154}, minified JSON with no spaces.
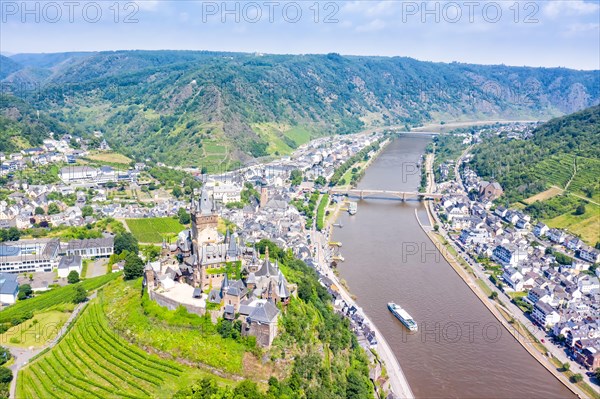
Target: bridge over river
{"x":385,"y":194}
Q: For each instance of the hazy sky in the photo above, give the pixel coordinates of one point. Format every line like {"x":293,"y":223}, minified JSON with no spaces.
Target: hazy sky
{"x":535,"y":33}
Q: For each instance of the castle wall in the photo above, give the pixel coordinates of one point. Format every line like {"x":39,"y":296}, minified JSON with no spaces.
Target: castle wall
{"x":172,"y":304}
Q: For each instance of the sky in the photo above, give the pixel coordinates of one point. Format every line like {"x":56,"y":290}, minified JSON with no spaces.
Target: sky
{"x":533,"y":33}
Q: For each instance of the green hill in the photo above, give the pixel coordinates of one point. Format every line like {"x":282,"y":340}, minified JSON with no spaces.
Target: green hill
{"x":564,"y":152}
{"x":563,"y":155}
{"x":209,"y":108}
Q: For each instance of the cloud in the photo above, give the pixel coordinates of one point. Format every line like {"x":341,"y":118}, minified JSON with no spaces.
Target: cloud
{"x":575,"y":29}
{"x":558,"y":8}
{"x":370,"y":8}
{"x":372,"y":26}
{"x":148,"y":5}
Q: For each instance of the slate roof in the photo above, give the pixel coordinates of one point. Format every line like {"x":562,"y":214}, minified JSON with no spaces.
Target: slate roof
{"x":264,"y":313}
{"x":91,"y":243}
{"x":69,"y":261}
{"x":8,"y":284}
{"x":267,"y":269}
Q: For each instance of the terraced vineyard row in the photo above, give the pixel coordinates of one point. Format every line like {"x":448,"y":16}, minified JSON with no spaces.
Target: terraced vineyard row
{"x":92,"y":362}
{"x":54,"y":297}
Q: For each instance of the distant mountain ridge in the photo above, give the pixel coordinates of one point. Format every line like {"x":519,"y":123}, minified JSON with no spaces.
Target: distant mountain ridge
{"x":197,"y":107}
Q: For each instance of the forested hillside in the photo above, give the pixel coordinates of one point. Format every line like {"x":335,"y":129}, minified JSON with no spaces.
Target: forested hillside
{"x":564,"y":152}
{"x":22,"y":126}
{"x":199,"y":108}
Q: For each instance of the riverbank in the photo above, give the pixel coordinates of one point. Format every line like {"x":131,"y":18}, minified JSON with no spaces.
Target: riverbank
{"x":398,"y":382}
{"x":477,"y":284}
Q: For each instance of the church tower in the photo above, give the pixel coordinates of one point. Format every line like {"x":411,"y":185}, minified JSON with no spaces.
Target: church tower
{"x":204,"y":220}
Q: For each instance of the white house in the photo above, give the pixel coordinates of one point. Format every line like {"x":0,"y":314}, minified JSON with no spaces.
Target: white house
{"x":589,"y":254}
{"x":545,"y":314}
{"x":9,"y":288}
{"x":556,"y":235}
{"x":510,"y":255}
{"x":68,"y":264}
{"x":513,"y":278}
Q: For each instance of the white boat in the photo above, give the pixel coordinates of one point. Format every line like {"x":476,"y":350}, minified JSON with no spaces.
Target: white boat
{"x":403,"y":316}
{"x":352,"y":208}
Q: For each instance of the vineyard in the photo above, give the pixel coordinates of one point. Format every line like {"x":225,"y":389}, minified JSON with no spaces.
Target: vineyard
{"x":51,"y":298}
{"x":154,"y":230}
{"x":93,"y":362}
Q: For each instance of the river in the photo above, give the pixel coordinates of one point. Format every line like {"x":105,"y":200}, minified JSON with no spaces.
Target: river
{"x":460,"y":350}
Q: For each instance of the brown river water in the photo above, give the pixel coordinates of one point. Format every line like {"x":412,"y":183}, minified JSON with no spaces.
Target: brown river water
{"x":460,"y":350}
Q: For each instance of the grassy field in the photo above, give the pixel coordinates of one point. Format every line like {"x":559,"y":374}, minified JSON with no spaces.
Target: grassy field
{"x":544,"y":195}
{"x":281,"y":138}
{"x":587,"y":225}
{"x":299,"y":134}
{"x":93,"y":362}
{"x":38,"y":331}
{"x":153,"y":230}
{"x":111,"y":157}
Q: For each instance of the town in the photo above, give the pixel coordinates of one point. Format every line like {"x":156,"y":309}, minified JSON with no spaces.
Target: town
{"x":549,"y":274}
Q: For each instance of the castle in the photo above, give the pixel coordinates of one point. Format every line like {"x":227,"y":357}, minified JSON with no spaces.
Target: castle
{"x":204,"y":270}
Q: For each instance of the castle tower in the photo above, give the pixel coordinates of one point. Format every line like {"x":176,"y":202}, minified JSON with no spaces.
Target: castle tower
{"x":264,"y":197}
{"x":204,"y":220}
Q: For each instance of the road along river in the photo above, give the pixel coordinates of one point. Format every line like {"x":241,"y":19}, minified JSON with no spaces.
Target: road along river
{"x":460,"y":350}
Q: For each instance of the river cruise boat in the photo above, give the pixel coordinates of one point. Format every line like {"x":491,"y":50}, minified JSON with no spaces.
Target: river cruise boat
{"x":403,"y":316}
{"x":352,"y":208}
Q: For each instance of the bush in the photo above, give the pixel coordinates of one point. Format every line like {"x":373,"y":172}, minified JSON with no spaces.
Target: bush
{"x":5,"y":355}
{"x":580,"y":210}
{"x":575,"y":378}
{"x":5,"y":375}
{"x":80,"y":294}
{"x":73,"y":277}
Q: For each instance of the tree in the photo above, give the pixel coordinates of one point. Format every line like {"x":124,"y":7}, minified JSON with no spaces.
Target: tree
{"x":4,"y":355}
{"x":580,"y":210}
{"x":125,"y":241}
{"x":150,"y":252}
{"x":177,"y":193}
{"x":296,"y":177}
{"x":597,"y":373}
{"x":184,"y":216}
{"x":12,"y":234}
{"x":320,"y":181}
{"x":80,"y":294}
{"x":53,"y":209}
{"x":39,"y":210}
{"x":87,"y":211}
{"x":575,"y":378}
{"x":566,"y":366}
{"x":73,"y":277}
{"x":494,"y":295}
{"x":134,"y":267}
{"x":6,"y":375}
{"x":24,"y":291}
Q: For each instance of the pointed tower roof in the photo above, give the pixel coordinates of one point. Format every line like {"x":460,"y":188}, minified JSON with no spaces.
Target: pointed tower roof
{"x":282,"y":289}
{"x":205,"y":205}
{"x":254,"y":256}
{"x":225,"y":283}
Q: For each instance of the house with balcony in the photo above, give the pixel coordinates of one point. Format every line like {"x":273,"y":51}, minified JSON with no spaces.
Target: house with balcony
{"x":544,"y":314}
